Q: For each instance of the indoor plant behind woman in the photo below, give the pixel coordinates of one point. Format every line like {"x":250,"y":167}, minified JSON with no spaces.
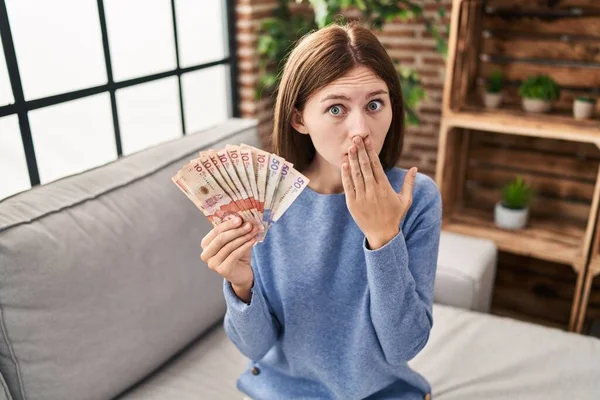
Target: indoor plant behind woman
{"x":493,"y":90}
{"x":512,"y":212}
{"x":583,"y":107}
{"x":538,"y":93}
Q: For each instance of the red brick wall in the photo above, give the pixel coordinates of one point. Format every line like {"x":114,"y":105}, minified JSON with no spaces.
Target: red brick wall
{"x":406,"y":41}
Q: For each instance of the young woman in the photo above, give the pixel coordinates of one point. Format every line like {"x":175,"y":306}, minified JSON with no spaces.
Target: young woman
{"x":338,"y":298}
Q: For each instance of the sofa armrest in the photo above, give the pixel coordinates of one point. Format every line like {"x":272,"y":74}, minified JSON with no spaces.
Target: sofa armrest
{"x":466,"y":271}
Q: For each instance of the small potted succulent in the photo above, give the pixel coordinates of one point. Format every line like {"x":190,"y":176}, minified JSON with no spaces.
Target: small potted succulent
{"x":492,"y":98}
{"x":512,"y":211}
{"x":538,"y":93}
{"x":583,"y":107}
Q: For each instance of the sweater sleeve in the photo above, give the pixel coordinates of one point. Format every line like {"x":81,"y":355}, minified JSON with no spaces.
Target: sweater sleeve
{"x":252,"y":327}
{"x":401,"y":277}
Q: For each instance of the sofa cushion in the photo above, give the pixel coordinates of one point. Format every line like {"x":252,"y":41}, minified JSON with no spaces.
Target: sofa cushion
{"x":4,"y":392}
{"x":469,"y":356}
{"x":100,"y":275}
{"x":206,"y":370}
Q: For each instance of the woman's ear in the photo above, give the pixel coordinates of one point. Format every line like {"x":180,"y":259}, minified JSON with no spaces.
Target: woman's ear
{"x":297,"y":122}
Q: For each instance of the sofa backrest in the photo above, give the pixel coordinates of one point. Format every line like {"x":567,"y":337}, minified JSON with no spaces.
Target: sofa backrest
{"x":100,"y":273}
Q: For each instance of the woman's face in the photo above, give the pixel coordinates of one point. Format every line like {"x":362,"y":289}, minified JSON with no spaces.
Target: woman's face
{"x":357,"y":104}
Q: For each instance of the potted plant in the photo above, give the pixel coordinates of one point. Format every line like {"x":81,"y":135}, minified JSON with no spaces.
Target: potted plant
{"x":538,"y":93}
{"x":492,"y":98}
{"x":512,"y":211}
{"x":583,"y":107}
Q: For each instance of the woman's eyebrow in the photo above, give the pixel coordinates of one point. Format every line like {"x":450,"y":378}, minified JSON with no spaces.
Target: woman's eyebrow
{"x":342,"y":97}
{"x":375,"y":93}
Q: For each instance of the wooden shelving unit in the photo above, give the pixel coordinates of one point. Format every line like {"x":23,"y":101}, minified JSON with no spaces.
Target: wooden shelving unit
{"x":541,"y":239}
{"x":480,"y":149}
{"x":592,"y":273}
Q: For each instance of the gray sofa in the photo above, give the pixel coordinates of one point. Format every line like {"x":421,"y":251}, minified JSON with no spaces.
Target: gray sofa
{"x":103,"y":295}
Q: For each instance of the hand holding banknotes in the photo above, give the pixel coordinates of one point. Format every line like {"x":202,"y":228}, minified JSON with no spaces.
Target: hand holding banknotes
{"x":234,"y":185}
{"x":372,"y":201}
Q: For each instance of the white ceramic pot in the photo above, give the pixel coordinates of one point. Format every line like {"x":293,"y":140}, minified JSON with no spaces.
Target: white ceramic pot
{"x":536,"y":105}
{"x":492,"y":100}
{"x":507,"y":218}
{"x":582,"y":109}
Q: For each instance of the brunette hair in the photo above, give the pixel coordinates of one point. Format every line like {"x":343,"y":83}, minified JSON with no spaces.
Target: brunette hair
{"x":318,"y":59}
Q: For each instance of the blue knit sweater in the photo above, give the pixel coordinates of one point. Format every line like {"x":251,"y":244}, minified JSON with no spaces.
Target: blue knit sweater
{"x":329,"y":318}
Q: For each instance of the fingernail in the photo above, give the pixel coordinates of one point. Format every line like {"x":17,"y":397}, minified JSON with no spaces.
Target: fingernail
{"x":247,"y":225}
{"x":415,"y":172}
{"x":237,"y":220}
{"x":367,"y":141}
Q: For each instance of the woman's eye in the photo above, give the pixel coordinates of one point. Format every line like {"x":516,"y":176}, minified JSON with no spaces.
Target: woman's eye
{"x":335,"y":110}
{"x":375,"y":105}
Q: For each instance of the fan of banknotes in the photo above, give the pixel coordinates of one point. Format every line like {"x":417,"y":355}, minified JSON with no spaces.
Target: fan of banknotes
{"x":241,"y":181}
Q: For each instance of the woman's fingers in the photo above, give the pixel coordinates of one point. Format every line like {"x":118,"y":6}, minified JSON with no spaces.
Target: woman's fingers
{"x":237,"y":253}
{"x":232,"y":223}
{"x":224,"y":254}
{"x":364,"y":162}
{"x":222,"y":238}
{"x":347,"y":180}
{"x":377,"y":168}
{"x":357,"y":176}
{"x":408,"y":185}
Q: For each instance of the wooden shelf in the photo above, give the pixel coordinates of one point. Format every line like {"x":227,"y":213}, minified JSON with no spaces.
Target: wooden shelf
{"x":546,"y":239}
{"x":481,"y":149}
{"x":518,"y":122}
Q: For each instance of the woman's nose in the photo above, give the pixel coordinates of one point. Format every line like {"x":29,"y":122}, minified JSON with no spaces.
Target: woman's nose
{"x":357,"y":125}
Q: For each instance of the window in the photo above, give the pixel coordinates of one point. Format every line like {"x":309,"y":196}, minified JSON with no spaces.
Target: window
{"x":95,"y":80}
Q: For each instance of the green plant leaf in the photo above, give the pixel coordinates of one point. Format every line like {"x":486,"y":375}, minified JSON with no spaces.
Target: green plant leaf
{"x":360,"y":4}
{"x":442,"y":48}
{"x":412,"y":93}
{"x":321,"y":12}
{"x":265,"y":43}
{"x":495,"y":81}
{"x":540,"y":87}
{"x":517,"y":194}
{"x":412,"y":118}
{"x":586,"y":99}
